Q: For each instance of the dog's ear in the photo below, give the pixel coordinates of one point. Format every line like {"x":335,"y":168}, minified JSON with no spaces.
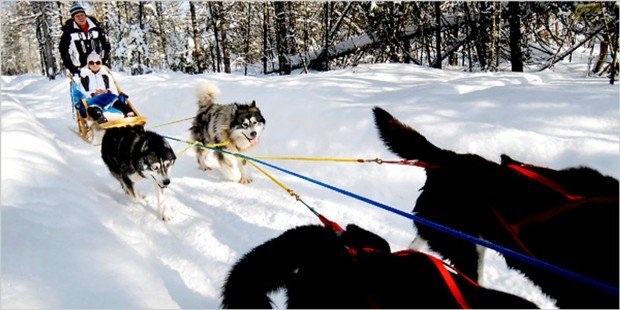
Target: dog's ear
{"x":359,"y":238}
{"x":253,"y":105}
{"x":507,"y":160}
{"x":169,"y":148}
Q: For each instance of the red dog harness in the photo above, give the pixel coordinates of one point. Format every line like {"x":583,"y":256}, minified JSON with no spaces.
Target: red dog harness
{"x":441,"y":266}
{"x":574,"y":201}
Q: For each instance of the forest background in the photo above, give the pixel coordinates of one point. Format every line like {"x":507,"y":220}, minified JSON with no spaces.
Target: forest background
{"x":284,"y":37}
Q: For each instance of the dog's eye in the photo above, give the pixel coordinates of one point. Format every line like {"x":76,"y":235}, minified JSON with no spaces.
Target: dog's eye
{"x":245,"y":125}
{"x":155,"y":167}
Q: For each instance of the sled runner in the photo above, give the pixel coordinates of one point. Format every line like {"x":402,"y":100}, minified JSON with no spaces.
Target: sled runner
{"x":87,"y":127}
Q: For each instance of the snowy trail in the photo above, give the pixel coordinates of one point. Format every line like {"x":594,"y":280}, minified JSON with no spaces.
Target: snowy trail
{"x":190,"y":255}
{"x":72,"y":239}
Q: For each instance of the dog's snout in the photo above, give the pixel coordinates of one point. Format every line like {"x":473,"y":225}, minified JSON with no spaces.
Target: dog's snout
{"x":253,"y":134}
{"x":166,"y":182}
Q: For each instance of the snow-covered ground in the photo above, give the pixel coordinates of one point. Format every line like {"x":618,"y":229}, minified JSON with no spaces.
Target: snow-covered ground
{"x":72,"y":239}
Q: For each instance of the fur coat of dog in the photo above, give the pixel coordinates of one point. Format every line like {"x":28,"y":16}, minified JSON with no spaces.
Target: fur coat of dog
{"x":237,"y":125}
{"x":567,"y":218}
{"x":355,"y":269}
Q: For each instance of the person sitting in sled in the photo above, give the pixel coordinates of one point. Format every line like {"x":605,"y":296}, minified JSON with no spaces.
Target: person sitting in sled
{"x":97,"y":85}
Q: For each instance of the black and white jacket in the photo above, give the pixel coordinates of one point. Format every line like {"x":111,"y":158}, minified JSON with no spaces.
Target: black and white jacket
{"x":90,"y":81}
{"x":75,"y":44}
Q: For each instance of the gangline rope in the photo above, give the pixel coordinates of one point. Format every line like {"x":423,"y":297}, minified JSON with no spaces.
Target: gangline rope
{"x":514,"y":254}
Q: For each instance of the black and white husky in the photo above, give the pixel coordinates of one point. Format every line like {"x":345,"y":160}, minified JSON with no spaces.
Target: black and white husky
{"x":133,"y":154}
{"x":237,"y":125}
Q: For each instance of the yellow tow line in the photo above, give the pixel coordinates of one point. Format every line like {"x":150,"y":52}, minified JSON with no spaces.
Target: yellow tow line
{"x":272,"y":178}
{"x":195,"y":143}
{"x":287,"y":189}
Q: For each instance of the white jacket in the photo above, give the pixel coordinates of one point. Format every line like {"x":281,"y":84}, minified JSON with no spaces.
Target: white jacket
{"x":90,"y":81}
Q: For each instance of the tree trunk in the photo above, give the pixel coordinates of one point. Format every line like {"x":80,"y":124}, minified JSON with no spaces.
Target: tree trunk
{"x":453,"y":59}
{"x":246,"y":40}
{"x":482,"y":36}
{"x":45,"y":40}
{"x":214,"y":18}
{"x":438,"y":57}
{"x":495,"y":35}
{"x":557,"y":58}
{"x":516,"y":56}
{"x":224,"y":36}
{"x":306,"y":42}
{"x":291,"y":28}
{"x":468,"y":30}
{"x":614,"y":60}
{"x":327,"y":13}
{"x":139,"y":55}
{"x":391,"y":29}
{"x":602,"y":56}
{"x":265,"y":35}
{"x":282,"y":44}
{"x":196,"y":38}
{"x":162,"y":33}
{"x":322,"y":61}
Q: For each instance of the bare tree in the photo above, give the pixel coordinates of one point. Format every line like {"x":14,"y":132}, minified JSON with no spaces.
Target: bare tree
{"x":282,"y":42}
{"x":265,"y":36}
{"x":246,"y":39}
{"x":222,"y":19}
{"x":196,"y":38}
{"x":214,"y":20}
{"x":43,"y":20}
{"x":162,"y":32}
{"x":516,"y":55}
{"x":438,"y":58}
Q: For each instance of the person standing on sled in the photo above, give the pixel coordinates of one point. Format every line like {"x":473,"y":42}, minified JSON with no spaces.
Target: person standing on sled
{"x":97,"y":85}
{"x":82,"y":35}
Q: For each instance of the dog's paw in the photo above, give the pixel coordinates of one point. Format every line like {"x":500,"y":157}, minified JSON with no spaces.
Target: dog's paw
{"x":166,"y":217}
{"x":137,"y":197}
{"x":245,"y":181}
{"x":204,"y":168}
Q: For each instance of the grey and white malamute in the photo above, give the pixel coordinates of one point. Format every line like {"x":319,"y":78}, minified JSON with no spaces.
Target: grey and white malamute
{"x":237,"y":125}
{"x":133,"y":154}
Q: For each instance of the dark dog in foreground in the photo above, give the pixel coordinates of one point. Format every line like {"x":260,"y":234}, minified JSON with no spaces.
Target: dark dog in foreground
{"x":568,"y":218}
{"x":355,"y":269}
{"x":132,"y":154}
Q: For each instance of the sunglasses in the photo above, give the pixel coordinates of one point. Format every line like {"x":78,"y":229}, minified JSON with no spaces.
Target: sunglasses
{"x":94,"y":62}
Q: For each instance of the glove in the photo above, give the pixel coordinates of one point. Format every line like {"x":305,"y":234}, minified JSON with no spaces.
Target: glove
{"x":122,"y":97}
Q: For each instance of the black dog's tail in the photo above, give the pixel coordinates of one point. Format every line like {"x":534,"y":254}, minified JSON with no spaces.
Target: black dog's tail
{"x":403,"y":140}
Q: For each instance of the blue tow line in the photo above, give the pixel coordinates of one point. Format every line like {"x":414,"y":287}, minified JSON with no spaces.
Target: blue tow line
{"x":561,"y":271}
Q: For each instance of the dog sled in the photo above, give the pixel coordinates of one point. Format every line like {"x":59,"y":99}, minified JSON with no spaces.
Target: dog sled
{"x":87,"y":127}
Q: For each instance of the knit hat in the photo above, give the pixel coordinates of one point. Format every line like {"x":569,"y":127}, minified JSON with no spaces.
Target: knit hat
{"x":93,"y":57}
{"x":76,"y":8}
